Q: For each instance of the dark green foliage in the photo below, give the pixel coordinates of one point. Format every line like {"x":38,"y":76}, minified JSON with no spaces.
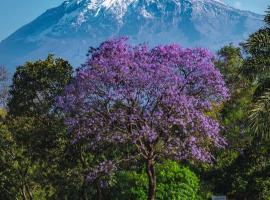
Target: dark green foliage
{"x":259,"y":118}
{"x":257,"y":69}
{"x":257,"y":47}
{"x":247,"y":176}
{"x":241,"y":169}
{"x":37,"y":130}
{"x":36,"y":86}
{"x":32,"y":117}
{"x":235,"y":112}
{"x":8,"y":179}
{"x":233,"y":116}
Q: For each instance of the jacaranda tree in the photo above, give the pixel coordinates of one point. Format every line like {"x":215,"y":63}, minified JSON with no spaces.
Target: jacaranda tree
{"x":149,"y":103}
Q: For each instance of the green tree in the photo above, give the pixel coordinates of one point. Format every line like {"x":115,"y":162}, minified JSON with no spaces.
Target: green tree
{"x":233,"y":116}
{"x":257,"y":69}
{"x":247,"y":177}
{"x":36,"y":85}
{"x":234,"y":113}
{"x":36,"y":124}
{"x":260,"y":116}
{"x":8,"y":183}
{"x":241,"y":169}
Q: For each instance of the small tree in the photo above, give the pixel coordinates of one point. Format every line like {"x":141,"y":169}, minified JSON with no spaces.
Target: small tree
{"x":147,"y":103}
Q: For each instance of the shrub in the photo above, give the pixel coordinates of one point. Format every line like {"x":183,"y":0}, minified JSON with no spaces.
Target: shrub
{"x":173,"y":182}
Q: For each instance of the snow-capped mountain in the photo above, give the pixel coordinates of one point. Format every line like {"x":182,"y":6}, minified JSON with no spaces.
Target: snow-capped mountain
{"x":69,"y":30}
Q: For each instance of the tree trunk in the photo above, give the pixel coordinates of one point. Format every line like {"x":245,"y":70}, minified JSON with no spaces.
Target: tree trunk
{"x":23,"y":193}
{"x":152,"y":183}
{"x":29,"y":192}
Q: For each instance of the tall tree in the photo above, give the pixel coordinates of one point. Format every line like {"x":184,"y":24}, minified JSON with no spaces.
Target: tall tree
{"x":36,"y":125}
{"x":234,"y":113}
{"x":146,"y":103}
{"x":257,"y":68}
{"x":240,"y":171}
{"x":233,"y":116}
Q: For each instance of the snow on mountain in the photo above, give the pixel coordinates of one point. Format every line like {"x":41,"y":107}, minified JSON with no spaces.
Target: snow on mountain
{"x":69,"y":29}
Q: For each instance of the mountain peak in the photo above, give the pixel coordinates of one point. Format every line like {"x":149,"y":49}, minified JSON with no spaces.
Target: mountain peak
{"x":83,"y":10}
{"x":69,"y":30}
{"x":93,"y":7}
{"x":95,"y":4}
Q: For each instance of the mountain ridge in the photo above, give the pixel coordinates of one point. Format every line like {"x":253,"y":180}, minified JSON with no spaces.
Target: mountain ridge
{"x":69,"y":29}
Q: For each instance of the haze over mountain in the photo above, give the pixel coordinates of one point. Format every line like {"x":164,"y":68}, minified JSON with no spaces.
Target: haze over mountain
{"x":69,"y":30}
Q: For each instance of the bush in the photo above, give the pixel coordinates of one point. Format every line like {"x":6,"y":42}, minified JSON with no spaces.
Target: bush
{"x":173,"y":182}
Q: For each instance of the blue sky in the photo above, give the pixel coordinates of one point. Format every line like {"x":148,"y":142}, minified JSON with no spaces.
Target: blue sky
{"x":15,"y":13}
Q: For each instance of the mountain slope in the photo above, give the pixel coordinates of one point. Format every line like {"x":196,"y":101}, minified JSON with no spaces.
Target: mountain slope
{"x":68,"y":30}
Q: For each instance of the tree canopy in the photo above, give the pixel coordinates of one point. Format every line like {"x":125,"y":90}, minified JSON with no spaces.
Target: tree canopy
{"x":153,"y":100}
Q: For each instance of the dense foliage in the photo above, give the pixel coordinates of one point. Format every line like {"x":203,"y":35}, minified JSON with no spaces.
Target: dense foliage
{"x":173,"y":182}
{"x":257,"y":69}
{"x":152,"y":100}
{"x":242,"y":169}
{"x":112,"y":130}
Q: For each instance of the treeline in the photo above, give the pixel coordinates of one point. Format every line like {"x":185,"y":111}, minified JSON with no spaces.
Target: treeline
{"x":39,"y":158}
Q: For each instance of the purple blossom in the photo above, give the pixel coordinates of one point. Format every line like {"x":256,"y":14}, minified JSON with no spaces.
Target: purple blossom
{"x":104,"y":168}
{"x":153,"y":99}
